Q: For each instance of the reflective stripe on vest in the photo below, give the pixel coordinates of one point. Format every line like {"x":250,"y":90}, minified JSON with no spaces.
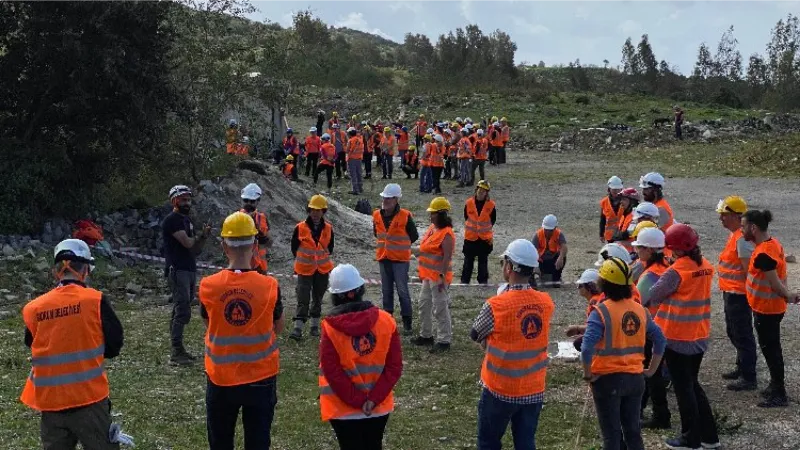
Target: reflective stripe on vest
{"x":479,"y":226}
{"x":393,"y":244}
{"x":355,"y":148}
{"x":760,"y":295}
{"x":686,"y":314}
{"x":622,"y":348}
{"x":732,"y":275}
{"x":613,"y":218}
{"x":431,"y":254}
{"x":515,"y":363}
{"x":313,"y":256}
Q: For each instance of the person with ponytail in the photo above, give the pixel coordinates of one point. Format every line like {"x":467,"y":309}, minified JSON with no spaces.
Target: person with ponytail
{"x":683,"y":297}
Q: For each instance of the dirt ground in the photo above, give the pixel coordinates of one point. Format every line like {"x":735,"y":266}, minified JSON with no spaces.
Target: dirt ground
{"x":532,"y":185}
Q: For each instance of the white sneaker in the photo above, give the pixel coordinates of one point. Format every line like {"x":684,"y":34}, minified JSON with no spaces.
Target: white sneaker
{"x":710,"y":446}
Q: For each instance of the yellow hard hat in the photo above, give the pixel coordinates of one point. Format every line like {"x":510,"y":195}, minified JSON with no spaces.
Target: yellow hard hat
{"x":439,"y":204}
{"x":354,"y":116}
{"x":318,"y":202}
{"x":641,"y":226}
{"x":454,"y":125}
{"x":494,"y":118}
{"x":335,"y":114}
{"x":427,"y":136}
{"x":503,"y":119}
{"x":290,"y":158}
{"x":412,"y":147}
{"x":733,"y":203}
{"x":238,"y":225}
{"x":422,"y":116}
{"x":483,"y":184}
{"x":367,"y":128}
{"x":616,"y":271}
{"x":386,"y":129}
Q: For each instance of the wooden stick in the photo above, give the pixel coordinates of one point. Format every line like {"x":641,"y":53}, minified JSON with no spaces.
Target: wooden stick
{"x":583,"y":416}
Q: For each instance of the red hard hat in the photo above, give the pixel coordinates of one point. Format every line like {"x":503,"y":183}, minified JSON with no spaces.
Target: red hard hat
{"x":630,"y":193}
{"x":681,"y":237}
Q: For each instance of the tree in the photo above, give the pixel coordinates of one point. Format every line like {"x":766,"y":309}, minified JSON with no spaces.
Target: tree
{"x":704,"y":64}
{"x":630,"y":60}
{"x":417,"y":52}
{"x":648,"y":62}
{"x":605,"y":63}
{"x":728,"y":61}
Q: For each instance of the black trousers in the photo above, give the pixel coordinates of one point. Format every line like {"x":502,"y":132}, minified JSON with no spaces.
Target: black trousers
{"x":419,"y":142}
{"x":311,"y":164}
{"x":479,"y":249}
{"x":437,"y":176}
{"x":368,"y":164}
{"x":768,"y":328}
{"x":493,"y":154}
{"x":341,"y":164}
{"x":501,"y":155}
{"x":360,"y":434}
{"x":697,"y":419}
{"x":739,"y":327}
{"x":655,"y":388}
{"x":616,"y":398}
{"x":328,"y":169}
{"x":256,"y":401}
{"x":548,"y":266}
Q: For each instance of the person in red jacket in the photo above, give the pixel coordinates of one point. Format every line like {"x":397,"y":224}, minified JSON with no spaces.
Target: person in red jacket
{"x":361,"y":360}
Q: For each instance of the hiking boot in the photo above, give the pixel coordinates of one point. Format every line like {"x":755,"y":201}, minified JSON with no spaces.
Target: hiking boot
{"x":407,"y":329}
{"x":732,"y":375}
{"x":679,"y":443}
{"x":656,"y":424}
{"x":419,"y":340}
{"x":180,"y":357}
{"x":296,"y":334}
{"x":439,"y":347}
{"x":742,"y":385}
{"x":314,"y":331}
{"x":767,"y":393}
{"x":776,"y":400}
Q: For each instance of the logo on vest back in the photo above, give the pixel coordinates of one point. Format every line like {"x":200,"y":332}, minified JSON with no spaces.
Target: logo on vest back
{"x":630,"y":323}
{"x":531,"y":326}
{"x":364,"y":345}
{"x":238,"y":312}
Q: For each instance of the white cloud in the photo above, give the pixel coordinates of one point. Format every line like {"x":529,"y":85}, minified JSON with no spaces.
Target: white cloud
{"x":286,"y":20}
{"x":414,"y":7}
{"x":466,"y":10}
{"x":355,"y":20}
{"x":630,"y":27}
{"x":528,"y":27}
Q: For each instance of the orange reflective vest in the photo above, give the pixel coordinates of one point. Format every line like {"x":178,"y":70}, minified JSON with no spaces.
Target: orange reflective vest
{"x":482,"y":149}
{"x":621,"y":350}
{"x":402,"y":141}
{"x":515,"y":364}
{"x":613,"y":218}
{"x":420,"y":128}
{"x":287,"y":170}
{"x":506,"y":133}
{"x":686,"y":314}
{"x":393,"y":244}
{"x":290,"y":145}
{"x":656,"y":269}
{"x":338,"y":137}
{"x":437,"y":155}
{"x":625,"y":222}
{"x":496,"y":137}
{"x":431,"y":254}
{"x":553,"y":244}
{"x":425,"y":160}
{"x":67,"y":349}
{"x":313,"y":256}
{"x":662,"y":205}
{"x":388,"y":145}
{"x":374,"y":143}
{"x":327,"y":154}
{"x":363,"y":359}
{"x":464,"y":149}
{"x":732,"y":275}
{"x":479,"y":226}
{"x":411,"y":159}
{"x":259,"y":260}
{"x":596,"y":299}
{"x":355,"y":148}
{"x":241,"y":346}
{"x":313,"y":143}
{"x":231,"y":135}
{"x":760,"y":296}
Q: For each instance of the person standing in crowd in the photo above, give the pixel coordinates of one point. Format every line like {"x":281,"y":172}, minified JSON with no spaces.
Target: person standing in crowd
{"x":320,"y":120}
{"x":767,"y":295}
{"x":588,"y":288}
{"x":313,"y":144}
{"x":70,"y":331}
{"x":652,"y":185}
{"x":481,"y":154}
{"x":334,"y":120}
{"x":395,"y":231}
{"x":327,"y":160}
{"x":551,"y":244}
{"x":628,"y":201}
{"x":251,"y":194}
{"x":180,"y":247}
{"x":734,"y":262}
{"x":419,"y":130}
{"x":242,"y":357}
{"x":480,"y":216}
{"x":403,"y":144}
{"x":513,"y":328}
{"x":610,"y":210}
{"x":437,"y":155}
{"x":505,"y":135}
{"x":426,"y":170}
{"x":388,"y":149}
{"x":464,"y":155}
{"x":435,"y":265}
{"x":683,"y":296}
{"x":361,"y":361}
{"x":355,"y":155}
{"x":613,"y":353}
{"x":372,"y":146}
{"x":312,"y":245}
{"x":339,"y":141}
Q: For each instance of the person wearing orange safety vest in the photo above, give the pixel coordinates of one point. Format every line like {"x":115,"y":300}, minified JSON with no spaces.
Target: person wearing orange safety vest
{"x":425,"y":170}
{"x":251,"y":194}
{"x":334,"y":120}
{"x":652,"y":185}
{"x":355,"y":155}
{"x":231,"y":137}
{"x":313,"y":144}
{"x":495,"y":142}
{"x":649,"y":245}
{"x":610,"y":210}
{"x":768,"y":295}
{"x":551,"y":243}
{"x":437,"y":152}
{"x":312,"y":245}
{"x":388,"y":148}
{"x":372,"y":147}
{"x":411,"y":162}
{"x":395,"y":231}
{"x":339,"y":142}
{"x":360,"y":362}
{"x":505,"y":135}
{"x":403,"y":142}
{"x":683,"y":296}
{"x":587,"y":288}
{"x":464,"y":155}
{"x":613,"y":355}
{"x":70,"y":331}
{"x":327,"y":160}
{"x":288,"y":168}
{"x":480,"y":216}
{"x":419,"y":130}
{"x":513,"y":327}
{"x":481,"y":151}
{"x":290,"y":144}
{"x":243,"y":313}
{"x":435,"y":267}
{"x":734,"y":260}
{"x":628,"y":201}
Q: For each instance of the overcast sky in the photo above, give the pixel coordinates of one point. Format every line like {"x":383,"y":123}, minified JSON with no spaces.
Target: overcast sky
{"x":559,"y":31}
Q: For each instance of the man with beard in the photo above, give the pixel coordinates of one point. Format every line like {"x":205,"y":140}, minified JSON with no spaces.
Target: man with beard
{"x":652,"y":185}
{"x":251,"y":194}
{"x":180,"y":247}
{"x":610,"y":212}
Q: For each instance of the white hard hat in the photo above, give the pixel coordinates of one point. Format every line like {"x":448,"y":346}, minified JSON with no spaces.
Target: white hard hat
{"x":459,"y":119}
{"x":612,"y":250}
{"x":615,"y":182}
{"x":232,"y":122}
{"x":650,"y":238}
{"x":645,"y":209}
{"x":439,"y":138}
{"x":344,"y":278}
{"x":73,"y":250}
{"x":480,"y":131}
{"x":179,"y":190}
{"x":468,"y":126}
{"x":550,"y":222}
{"x":468,"y":120}
{"x":651,"y":179}
{"x":496,"y":124}
{"x":522,"y":252}
{"x":245,"y":139}
{"x":588,"y":276}
{"x":351,"y":129}
{"x":325,"y":136}
{"x":392,"y":190}
{"x":429,"y":131}
{"x":251,"y":192}
{"x":312,"y":130}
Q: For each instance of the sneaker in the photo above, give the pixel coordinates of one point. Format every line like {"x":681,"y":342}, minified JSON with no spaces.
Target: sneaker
{"x":656,"y":424}
{"x":706,"y":445}
{"x":419,"y":340}
{"x":679,"y":443}
{"x":775,"y":401}
{"x":439,"y":347}
{"x":732,"y":375}
{"x":181,"y":359}
{"x":296,"y":334}
{"x":767,"y":393}
{"x":742,"y":385}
